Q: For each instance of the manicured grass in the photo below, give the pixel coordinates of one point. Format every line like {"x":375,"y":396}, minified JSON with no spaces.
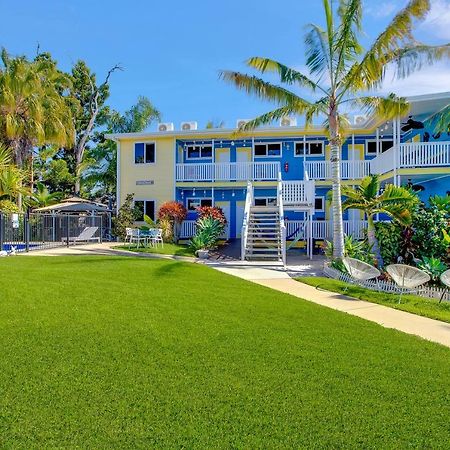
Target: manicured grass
{"x":427,"y":307}
{"x":167,"y":249}
{"x":111,"y":352}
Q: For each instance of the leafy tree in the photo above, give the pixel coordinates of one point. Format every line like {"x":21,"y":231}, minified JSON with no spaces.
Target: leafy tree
{"x":340,"y":75}
{"x":125,"y":218}
{"x":100,"y":179}
{"x":11,"y":178}
{"x":395,"y":201}
{"x":171,"y":215}
{"x":42,"y":196}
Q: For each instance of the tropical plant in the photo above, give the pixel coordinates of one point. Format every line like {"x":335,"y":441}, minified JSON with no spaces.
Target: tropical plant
{"x":433,"y":267}
{"x":353,"y":248}
{"x":441,"y":202}
{"x":42,"y":196}
{"x":7,"y":206}
{"x":208,"y":233}
{"x":389,"y":237}
{"x":174,"y":213}
{"x":395,"y":201}
{"x":212,"y":211}
{"x":11,"y":177}
{"x":125,"y":218}
{"x":339,"y":75}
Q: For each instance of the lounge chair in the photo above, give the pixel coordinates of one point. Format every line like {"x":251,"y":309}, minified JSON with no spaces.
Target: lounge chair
{"x":407,"y":278}
{"x":87,"y":235}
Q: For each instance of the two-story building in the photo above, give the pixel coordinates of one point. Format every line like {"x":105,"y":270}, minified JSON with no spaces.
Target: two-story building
{"x":280,"y":173}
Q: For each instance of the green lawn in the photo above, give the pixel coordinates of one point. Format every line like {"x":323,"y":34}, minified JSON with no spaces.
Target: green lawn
{"x":111,"y":352}
{"x":167,"y":249}
{"x":426,"y":307}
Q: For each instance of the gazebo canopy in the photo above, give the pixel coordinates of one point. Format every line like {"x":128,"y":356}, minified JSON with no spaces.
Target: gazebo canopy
{"x":75,"y":204}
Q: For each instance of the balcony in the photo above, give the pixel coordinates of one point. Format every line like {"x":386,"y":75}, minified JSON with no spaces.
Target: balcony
{"x":298,"y":193}
{"x":413,"y":155}
{"x":239,"y":171}
{"x":350,"y":170}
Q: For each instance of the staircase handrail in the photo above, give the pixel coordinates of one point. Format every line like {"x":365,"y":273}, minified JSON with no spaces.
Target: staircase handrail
{"x":281,"y":214}
{"x":249,"y":201}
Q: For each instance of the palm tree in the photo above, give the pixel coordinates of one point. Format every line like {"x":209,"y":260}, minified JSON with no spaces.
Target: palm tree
{"x":343,"y":75}
{"x":11,"y":177}
{"x":33,"y":110}
{"x":395,"y":201}
{"x":42,"y":196}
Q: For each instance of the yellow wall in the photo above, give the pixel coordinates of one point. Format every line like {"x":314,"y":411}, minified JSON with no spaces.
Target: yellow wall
{"x":162,"y":172}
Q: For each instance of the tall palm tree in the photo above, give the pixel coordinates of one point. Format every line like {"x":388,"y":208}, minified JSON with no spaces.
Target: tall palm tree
{"x":33,"y":110}
{"x":395,"y":201}
{"x":343,"y":75}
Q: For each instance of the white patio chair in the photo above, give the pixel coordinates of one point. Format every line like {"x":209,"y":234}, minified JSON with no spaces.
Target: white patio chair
{"x":360,"y":270}
{"x":445,"y":279}
{"x":407,"y":278}
{"x":157,"y":237}
{"x":128,"y":233}
{"x":136,"y":237}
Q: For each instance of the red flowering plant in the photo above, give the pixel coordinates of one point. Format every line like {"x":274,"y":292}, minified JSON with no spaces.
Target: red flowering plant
{"x":171,"y":216}
{"x":213,"y":212}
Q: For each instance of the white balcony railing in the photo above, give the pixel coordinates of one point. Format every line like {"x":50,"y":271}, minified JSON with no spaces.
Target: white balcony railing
{"x":239,"y":171}
{"x":323,"y":229}
{"x":350,"y":170}
{"x":411,"y":155}
{"x":298,"y":193}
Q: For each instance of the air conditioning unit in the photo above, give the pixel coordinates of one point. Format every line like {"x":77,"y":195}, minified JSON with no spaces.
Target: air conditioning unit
{"x":288,"y":122}
{"x":241,"y":122}
{"x":165,"y":126}
{"x":188,"y":126}
{"x":359,"y":120}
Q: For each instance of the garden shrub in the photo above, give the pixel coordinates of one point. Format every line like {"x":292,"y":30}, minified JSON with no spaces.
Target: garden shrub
{"x":209,"y":230}
{"x":171,"y":216}
{"x":389,"y":236}
{"x":213,"y":212}
{"x":125,"y":218}
{"x":7,"y":206}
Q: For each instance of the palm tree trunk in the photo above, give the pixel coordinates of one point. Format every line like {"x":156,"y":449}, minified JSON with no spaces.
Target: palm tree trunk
{"x":373,"y":241}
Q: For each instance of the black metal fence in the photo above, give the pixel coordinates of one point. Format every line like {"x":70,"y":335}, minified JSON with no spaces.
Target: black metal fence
{"x":34,"y":231}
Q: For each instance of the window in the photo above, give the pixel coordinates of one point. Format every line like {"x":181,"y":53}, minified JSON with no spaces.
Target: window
{"x":371,"y":146}
{"x":265,"y":201}
{"x":194,"y":203}
{"x":270,"y":149}
{"x":144,"y":207}
{"x":318,"y":204}
{"x":314,"y":148}
{"x":144,"y":153}
{"x":199,"y":151}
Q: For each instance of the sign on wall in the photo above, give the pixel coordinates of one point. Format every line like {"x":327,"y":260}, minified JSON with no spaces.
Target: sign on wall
{"x":145,"y":182}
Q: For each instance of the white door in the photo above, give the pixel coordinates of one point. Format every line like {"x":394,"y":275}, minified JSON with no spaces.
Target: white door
{"x":239,"y":218}
{"x":225,"y":206}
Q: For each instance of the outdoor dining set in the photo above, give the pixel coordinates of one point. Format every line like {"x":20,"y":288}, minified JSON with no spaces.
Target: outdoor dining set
{"x":148,"y":237}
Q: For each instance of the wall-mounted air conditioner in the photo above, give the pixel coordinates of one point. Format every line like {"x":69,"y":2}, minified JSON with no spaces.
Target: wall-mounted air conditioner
{"x":188,"y":126}
{"x":168,"y":126}
{"x":288,"y":122}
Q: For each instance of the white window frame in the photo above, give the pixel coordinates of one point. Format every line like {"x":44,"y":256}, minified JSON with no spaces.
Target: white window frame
{"x":266,"y":198}
{"x":134,"y":153}
{"x":323,"y":203}
{"x":255,"y":156}
{"x":145,"y":200}
{"x":198,"y":199}
{"x":199,"y":158}
{"x":307,"y":142}
{"x":366,"y":146}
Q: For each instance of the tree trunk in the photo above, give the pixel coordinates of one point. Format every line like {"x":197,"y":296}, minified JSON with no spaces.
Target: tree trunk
{"x":373,"y":241}
{"x":338,"y":224}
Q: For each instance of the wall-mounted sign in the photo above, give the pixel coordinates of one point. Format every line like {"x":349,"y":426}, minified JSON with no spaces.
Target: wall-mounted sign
{"x":145,"y":182}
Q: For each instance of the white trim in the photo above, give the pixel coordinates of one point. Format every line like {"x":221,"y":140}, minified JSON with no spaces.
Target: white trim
{"x":255,"y":156}
{"x":309,"y":141}
{"x":134,"y":153}
{"x":266,"y":198}
{"x":118,"y":202}
{"x":199,"y":158}
{"x":379,"y":142}
{"x":200,"y":199}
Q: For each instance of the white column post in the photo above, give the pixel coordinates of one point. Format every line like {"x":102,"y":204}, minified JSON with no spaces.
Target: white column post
{"x":394,"y":148}
{"x":118,"y":176}
{"x":377,"y":145}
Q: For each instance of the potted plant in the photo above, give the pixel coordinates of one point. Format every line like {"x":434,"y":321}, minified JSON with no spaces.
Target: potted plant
{"x":207,"y":236}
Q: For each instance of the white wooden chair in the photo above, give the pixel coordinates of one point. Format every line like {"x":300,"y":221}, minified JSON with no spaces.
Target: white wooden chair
{"x":407,"y":278}
{"x":136,"y":237}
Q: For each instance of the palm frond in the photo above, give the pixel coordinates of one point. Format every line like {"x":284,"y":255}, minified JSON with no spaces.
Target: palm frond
{"x":262,"y":89}
{"x":317,"y":50}
{"x":268,"y":118}
{"x":287,"y":74}
{"x":383,"y":107}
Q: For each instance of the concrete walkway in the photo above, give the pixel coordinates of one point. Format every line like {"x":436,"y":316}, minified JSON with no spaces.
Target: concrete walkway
{"x":432,"y":330}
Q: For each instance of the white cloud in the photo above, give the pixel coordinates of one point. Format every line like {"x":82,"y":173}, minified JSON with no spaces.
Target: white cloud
{"x":432,"y":79}
{"x":437,"y":22}
{"x":381,"y":10}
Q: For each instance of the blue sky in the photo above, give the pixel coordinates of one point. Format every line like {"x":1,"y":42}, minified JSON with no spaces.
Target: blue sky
{"x":172,"y":51}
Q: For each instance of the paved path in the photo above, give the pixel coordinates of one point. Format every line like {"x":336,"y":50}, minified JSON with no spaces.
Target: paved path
{"x":432,"y":330}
